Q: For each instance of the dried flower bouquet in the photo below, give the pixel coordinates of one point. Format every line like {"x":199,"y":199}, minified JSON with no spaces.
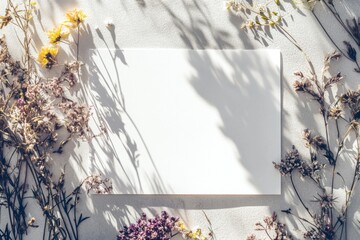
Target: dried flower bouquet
{"x":34,"y":112}
{"x":326,"y":214}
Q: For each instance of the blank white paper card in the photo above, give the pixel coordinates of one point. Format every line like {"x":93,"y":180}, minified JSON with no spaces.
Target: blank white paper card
{"x":187,"y":121}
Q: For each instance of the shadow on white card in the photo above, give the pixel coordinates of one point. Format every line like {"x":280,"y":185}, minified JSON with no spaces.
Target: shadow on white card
{"x":187,"y":121}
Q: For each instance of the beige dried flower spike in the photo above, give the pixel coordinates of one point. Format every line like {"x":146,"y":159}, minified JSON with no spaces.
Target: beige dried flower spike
{"x":6,"y":19}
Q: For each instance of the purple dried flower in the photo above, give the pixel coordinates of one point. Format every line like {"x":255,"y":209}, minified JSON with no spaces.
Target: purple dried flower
{"x":291,"y":162}
{"x":157,"y":228}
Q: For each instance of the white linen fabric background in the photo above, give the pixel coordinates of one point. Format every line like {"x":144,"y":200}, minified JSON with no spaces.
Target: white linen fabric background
{"x":194,"y":24}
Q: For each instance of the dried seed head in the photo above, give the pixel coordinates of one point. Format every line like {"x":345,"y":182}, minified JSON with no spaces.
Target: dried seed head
{"x":335,"y":112}
{"x":302,"y":86}
{"x":333,"y":80}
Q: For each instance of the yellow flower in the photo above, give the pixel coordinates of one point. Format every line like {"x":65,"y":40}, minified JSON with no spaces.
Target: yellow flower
{"x":198,"y":232}
{"x":74,"y":18}
{"x":33,"y":3}
{"x":57,"y":34}
{"x":180,"y":226}
{"x":47,"y":56}
{"x":191,"y":235}
{"x":196,"y":235}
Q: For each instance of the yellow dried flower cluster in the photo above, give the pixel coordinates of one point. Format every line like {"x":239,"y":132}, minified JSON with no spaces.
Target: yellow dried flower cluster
{"x":60,"y":33}
{"x":189,"y":234}
{"x":264,"y":16}
{"x":232,"y":5}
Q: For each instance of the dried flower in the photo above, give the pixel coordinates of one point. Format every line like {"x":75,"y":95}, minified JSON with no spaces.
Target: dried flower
{"x":251,"y":237}
{"x":47,"y":56}
{"x":31,"y":120}
{"x":325,"y":201}
{"x":291,"y":162}
{"x":98,"y":185}
{"x":302,"y":86}
{"x":158,"y":228}
{"x":332,"y":56}
{"x":180,"y":226}
{"x":316,"y":141}
{"x":6,"y":19}
{"x":76,"y":117}
{"x":273,"y":228}
{"x":250,"y":24}
{"x":196,"y":234}
{"x":351,"y":99}
{"x":333,"y":80}
{"x":324,"y":229}
{"x":234,"y":6}
{"x":335,"y":112}
{"x":74,"y":18}
{"x":58,"y":34}
{"x":305,"y":170}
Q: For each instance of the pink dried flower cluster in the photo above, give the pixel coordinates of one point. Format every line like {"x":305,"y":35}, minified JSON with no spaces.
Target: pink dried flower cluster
{"x":273,"y":228}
